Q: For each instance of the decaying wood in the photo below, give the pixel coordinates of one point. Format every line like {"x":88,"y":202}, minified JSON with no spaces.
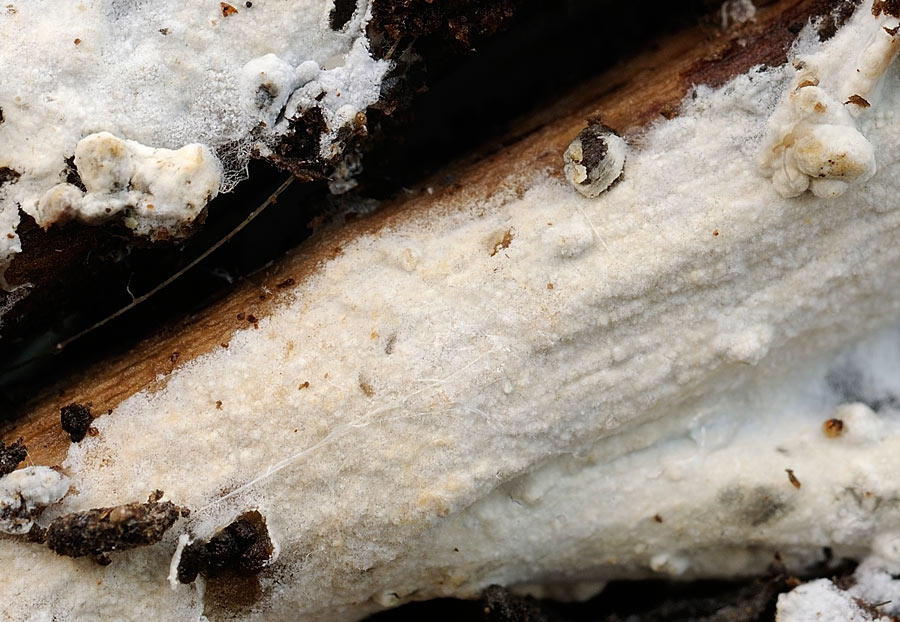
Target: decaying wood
{"x":627,"y":97}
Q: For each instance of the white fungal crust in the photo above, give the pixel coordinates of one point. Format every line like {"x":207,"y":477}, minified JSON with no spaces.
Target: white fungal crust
{"x":207,"y":85}
{"x":425,"y":416}
{"x":159,"y":191}
{"x":594,"y":160}
{"x":813,"y":142}
{"x":25,"y":493}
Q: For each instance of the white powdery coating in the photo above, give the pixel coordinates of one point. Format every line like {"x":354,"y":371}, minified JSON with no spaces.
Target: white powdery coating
{"x":467,"y":423}
{"x":166,"y":75}
{"x":25,"y":493}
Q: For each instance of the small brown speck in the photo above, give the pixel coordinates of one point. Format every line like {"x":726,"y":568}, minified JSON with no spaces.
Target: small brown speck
{"x":262,"y":296}
{"x":93,"y":431}
{"x":10,"y":235}
{"x":174,"y":356}
{"x":504,"y":242}
{"x":248,"y":4}
{"x":793,"y":478}
{"x":715,"y":233}
{"x":833,"y":428}
{"x":657,"y":518}
{"x":820,"y":107}
{"x":366,"y":388}
{"x":285,"y":283}
{"x":252,"y":319}
{"x":859,"y":101}
{"x":305,"y":385}
{"x":218,"y":404}
{"x":549,"y":285}
{"x":163,"y":31}
{"x":77,"y":41}
{"x":227,"y":9}
{"x":241,"y":316}
{"x":224,"y":344}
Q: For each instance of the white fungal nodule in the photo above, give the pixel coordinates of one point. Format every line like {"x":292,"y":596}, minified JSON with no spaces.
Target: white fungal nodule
{"x":25,"y":493}
{"x":594,"y":160}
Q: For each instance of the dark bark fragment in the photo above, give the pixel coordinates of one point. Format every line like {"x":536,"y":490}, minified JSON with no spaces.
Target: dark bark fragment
{"x":341,"y":13}
{"x":503,"y":606}
{"x":11,"y":456}
{"x":462,"y":23}
{"x":102,"y":530}
{"x":76,"y":419}
{"x":8,"y":175}
{"x":243,"y":548}
{"x":890,"y":7}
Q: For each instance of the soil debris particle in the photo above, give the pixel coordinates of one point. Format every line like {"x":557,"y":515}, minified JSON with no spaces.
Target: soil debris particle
{"x":243,"y":548}
{"x":833,"y":428}
{"x":99,"y":531}
{"x":793,"y":478}
{"x":76,"y":420}
{"x":890,"y":7}
{"x":11,"y":456}
{"x":8,"y":175}
{"x":504,"y":242}
{"x":500,"y":605}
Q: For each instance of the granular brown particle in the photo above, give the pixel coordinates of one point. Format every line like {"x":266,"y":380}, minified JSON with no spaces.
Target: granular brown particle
{"x":242,"y":548}
{"x":11,"y":456}
{"x":101,"y":530}
{"x":76,"y":419}
{"x":833,"y":428}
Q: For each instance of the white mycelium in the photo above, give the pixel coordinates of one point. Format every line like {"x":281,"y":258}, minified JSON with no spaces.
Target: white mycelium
{"x":167,"y":91}
{"x":426,"y":416}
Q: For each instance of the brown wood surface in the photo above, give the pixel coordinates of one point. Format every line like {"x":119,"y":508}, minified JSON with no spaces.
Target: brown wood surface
{"x":633,"y":94}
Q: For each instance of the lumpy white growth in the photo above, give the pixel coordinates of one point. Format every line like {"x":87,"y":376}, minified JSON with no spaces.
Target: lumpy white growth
{"x":172,"y":76}
{"x":594,"y":160}
{"x":813,"y":142}
{"x":25,"y":493}
{"x":161,"y":190}
{"x":427,"y":416}
{"x":874,"y":583}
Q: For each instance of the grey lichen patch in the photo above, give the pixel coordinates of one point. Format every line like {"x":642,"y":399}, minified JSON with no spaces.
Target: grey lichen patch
{"x":595,"y":159}
{"x":99,"y":531}
{"x":11,"y":456}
